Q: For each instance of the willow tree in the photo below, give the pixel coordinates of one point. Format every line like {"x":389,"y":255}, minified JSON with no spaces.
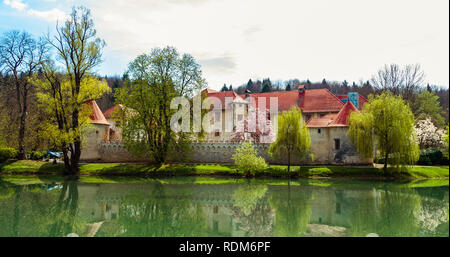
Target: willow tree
{"x":155,"y":79}
{"x":292,"y":137}
{"x":79,"y":51}
{"x":388,"y":122}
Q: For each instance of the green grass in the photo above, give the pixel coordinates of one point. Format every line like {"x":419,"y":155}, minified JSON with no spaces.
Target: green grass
{"x":428,"y":171}
{"x":116,"y":169}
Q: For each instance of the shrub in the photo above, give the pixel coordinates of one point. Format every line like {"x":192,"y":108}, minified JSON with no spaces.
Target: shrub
{"x":7,"y":153}
{"x":319,"y":171}
{"x":247,"y":160}
{"x":37,"y":155}
{"x":432,"y":156}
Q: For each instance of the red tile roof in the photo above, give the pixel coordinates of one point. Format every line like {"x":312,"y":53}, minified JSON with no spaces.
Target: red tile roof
{"x":313,"y":100}
{"x":319,"y":122}
{"x":333,"y":120}
{"x":207,"y":90}
{"x":108,"y":113}
{"x":222,"y":95}
{"x":97,"y":115}
{"x":341,"y":119}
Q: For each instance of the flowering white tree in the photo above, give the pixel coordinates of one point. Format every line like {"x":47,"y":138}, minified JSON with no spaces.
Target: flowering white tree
{"x":428,"y":135}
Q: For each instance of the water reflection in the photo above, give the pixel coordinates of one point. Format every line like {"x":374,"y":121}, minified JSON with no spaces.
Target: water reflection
{"x":186,"y":207}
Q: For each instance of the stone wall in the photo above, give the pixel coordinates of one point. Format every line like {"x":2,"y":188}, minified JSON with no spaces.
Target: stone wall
{"x":324,"y":150}
{"x":110,"y":151}
{"x":222,"y":152}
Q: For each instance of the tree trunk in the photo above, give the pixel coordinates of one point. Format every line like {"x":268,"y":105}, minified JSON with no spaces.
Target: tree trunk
{"x":21,"y":138}
{"x":66,"y":161}
{"x":76,"y":150}
{"x":22,"y":105}
{"x":386,"y":155}
{"x":289,"y":162}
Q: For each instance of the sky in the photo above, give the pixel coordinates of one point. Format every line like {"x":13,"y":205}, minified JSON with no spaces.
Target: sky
{"x":235,"y":40}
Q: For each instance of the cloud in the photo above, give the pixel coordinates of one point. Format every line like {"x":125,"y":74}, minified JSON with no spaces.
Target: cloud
{"x":223,"y":63}
{"x":16,"y":4}
{"x":50,"y":15}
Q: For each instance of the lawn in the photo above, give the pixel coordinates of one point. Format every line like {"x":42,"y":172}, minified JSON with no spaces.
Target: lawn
{"x":118,"y":169}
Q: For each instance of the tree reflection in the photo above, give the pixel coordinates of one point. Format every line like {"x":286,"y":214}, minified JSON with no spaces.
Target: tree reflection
{"x":64,"y":212}
{"x":251,"y":214}
{"x":292,"y":210}
{"x":392,"y":213}
{"x":157,"y":213}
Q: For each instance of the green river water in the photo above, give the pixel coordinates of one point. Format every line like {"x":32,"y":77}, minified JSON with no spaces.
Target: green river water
{"x":207,"y":206}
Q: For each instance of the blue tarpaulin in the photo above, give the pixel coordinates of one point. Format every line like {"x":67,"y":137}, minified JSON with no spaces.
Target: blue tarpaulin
{"x":54,"y":154}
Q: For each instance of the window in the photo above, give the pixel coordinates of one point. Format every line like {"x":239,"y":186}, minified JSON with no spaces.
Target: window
{"x":240,"y":117}
{"x":337,"y":143}
{"x":307,"y":117}
{"x":216,"y":209}
{"x":216,"y":226}
{"x":319,"y":131}
{"x":338,"y":208}
{"x":217,"y":133}
{"x":218,"y":116}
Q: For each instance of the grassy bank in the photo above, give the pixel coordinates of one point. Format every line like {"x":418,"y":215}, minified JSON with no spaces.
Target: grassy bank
{"x":116,"y":169}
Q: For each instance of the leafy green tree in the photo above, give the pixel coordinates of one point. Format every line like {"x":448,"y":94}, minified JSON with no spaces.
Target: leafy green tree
{"x":425,"y":105}
{"x":266,"y":86}
{"x":387,"y":121}
{"x":79,"y":50}
{"x":224,"y":88}
{"x":230,"y":88}
{"x":247,"y":160}
{"x":68,"y":113}
{"x":154,"y":80}
{"x":249,"y":84}
{"x":288,"y":87}
{"x":292,"y":136}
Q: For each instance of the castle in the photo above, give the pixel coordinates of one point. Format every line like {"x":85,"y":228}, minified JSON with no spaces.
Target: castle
{"x":325,"y":113}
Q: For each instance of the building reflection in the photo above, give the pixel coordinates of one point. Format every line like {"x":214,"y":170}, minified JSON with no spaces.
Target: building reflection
{"x":233,"y":209}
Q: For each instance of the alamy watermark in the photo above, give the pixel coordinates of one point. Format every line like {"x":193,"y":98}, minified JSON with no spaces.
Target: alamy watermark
{"x":230,"y":115}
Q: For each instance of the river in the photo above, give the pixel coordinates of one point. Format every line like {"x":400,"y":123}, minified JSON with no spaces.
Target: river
{"x":217,"y":206}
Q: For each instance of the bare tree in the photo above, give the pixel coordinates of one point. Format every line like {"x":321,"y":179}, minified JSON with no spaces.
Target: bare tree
{"x":21,"y":56}
{"x":403,"y":81}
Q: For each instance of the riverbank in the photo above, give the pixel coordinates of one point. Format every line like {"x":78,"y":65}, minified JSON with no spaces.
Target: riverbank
{"x":26,"y":167}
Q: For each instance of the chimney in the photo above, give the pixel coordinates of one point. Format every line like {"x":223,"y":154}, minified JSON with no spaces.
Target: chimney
{"x":301,"y":90}
{"x":247,"y":93}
